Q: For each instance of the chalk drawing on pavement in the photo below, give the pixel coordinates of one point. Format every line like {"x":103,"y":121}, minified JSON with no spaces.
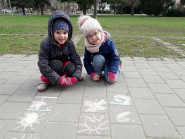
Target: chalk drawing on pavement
{"x":36,"y":105}
{"x":96,"y":106}
{"x":123,"y":117}
{"x":121,"y":100}
{"x":94,"y":124}
{"x":29,"y":120}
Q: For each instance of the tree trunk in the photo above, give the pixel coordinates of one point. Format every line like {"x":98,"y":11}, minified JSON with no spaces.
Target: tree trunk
{"x":95,"y":9}
{"x":68,"y":7}
{"x":41,"y":10}
{"x":84,"y":8}
{"x":2,"y":4}
{"x":23,"y":11}
{"x":132,"y":7}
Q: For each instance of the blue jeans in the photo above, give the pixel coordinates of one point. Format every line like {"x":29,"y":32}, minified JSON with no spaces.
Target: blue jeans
{"x":99,"y":65}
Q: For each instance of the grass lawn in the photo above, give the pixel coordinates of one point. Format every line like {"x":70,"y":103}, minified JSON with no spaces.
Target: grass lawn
{"x":131,"y":35}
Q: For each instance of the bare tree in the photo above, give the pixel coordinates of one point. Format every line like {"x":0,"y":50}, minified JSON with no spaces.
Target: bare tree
{"x":95,"y":9}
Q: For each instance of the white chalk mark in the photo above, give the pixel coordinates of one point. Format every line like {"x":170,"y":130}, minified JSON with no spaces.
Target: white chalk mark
{"x":93,"y":124}
{"x":29,"y":120}
{"x":45,"y":97}
{"x":123,"y":117}
{"x":121,"y":100}
{"x":38,"y":104}
{"x":95,"y":106}
{"x":45,"y":110}
{"x":117,"y":103}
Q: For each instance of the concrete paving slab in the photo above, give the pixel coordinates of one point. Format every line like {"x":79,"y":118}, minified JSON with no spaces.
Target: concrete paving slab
{"x":176,"y":115}
{"x":12,"y":110}
{"x":169,"y":100}
{"x":20,"y":135}
{"x":141,"y":93}
{"x":5,"y":126}
{"x":59,"y":130}
{"x":134,"y":83}
{"x":22,"y":96}
{"x":148,"y":106}
{"x":6,"y":75}
{"x":158,"y":126}
{"x":70,"y":97}
{"x":127,"y":131}
{"x":95,"y":91}
{"x":153,"y":79}
{"x":18,"y":79}
{"x":7,"y":88}
{"x":131,"y":75}
{"x":159,"y":88}
{"x":180,"y":93}
{"x":65,"y":113}
{"x":176,"y":83}
{"x":3,"y":98}
{"x":91,"y":137}
{"x":117,"y":88}
{"x":181,"y":131}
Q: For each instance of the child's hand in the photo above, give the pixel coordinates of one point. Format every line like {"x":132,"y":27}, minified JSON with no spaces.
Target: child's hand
{"x":112,"y":77}
{"x":95,"y":77}
{"x":67,"y":81}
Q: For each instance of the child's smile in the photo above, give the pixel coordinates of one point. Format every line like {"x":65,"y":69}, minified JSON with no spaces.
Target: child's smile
{"x":61,"y":36}
{"x":94,"y":37}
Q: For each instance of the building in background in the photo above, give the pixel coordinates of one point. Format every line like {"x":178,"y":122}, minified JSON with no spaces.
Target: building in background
{"x":177,"y":3}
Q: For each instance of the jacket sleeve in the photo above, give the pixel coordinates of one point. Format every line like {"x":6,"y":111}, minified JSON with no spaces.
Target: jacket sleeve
{"x":75,"y":59}
{"x":114,"y":57}
{"x":43,"y":63}
{"x":87,"y":62}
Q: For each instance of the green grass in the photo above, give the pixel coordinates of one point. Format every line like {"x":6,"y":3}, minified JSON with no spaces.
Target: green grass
{"x":144,"y":26}
{"x":180,"y":42}
{"x":20,"y":44}
{"x":124,"y":30}
{"x":139,"y":47}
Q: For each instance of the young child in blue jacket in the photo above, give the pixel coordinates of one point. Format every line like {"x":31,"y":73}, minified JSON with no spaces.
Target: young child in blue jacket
{"x":100,"y":51}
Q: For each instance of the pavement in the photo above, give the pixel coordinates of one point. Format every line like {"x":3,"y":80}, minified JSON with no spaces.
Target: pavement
{"x":147,"y":102}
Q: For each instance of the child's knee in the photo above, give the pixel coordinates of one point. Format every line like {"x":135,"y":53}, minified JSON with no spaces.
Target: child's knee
{"x":69,"y":68}
{"x":98,"y":60}
{"x":56,"y":65}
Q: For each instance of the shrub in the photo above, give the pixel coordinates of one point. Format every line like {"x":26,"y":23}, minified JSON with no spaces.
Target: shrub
{"x":175,"y":13}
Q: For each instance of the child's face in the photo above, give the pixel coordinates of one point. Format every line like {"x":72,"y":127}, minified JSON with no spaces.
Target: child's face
{"x":94,"y":37}
{"x":61,"y":36}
